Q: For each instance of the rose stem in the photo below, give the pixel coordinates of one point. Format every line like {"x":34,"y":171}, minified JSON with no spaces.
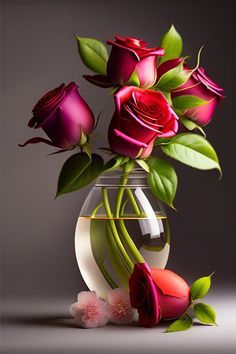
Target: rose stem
{"x":114,"y":232}
{"x":133,"y":201}
{"x":123,"y":181}
{"x":95,"y":210}
{"x":123,"y":231}
{"x":116,"y":259}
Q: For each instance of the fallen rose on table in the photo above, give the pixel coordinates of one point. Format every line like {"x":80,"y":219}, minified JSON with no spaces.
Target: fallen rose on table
{"x":157,"y":294}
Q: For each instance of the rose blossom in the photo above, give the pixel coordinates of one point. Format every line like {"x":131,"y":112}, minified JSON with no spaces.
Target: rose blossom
{"x":140,"y":117}
{"x":119,"y":308}
{"x":173,"y":293}
{"x":143,"y":295}
{"x":89,"y":311}
{"x":200,"y":85}
{"x":129,"y":54}
{"x":63,"y":115}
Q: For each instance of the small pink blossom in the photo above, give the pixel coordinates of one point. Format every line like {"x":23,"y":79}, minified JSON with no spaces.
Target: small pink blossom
{"x":120,"y":310}
{"x":89,"y":311}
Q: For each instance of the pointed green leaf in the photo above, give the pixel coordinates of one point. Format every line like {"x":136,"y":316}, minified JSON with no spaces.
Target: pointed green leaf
{"x":182,"y":324}
{"x":93,"y":54}
{"x":113,"y":163}
{"x":192,"y":150}
{"x":143,"y":164}
{"x":191,"y":125}
{"x":172,"y":79}
{"x":162,"y":180}
{"x":78,"y":171}
{"x":205,"y":313}
{"x":187,"y":101}
{"x":172,"y":43}
{"x":200,"y":287}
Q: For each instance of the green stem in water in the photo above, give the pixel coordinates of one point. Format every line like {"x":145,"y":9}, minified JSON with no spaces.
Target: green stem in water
{"x":129,"y":242}
{"x":114,"y":232}
{"x":116,"y":259}
{"x":123,"y":231}
{"x":108,"y":277}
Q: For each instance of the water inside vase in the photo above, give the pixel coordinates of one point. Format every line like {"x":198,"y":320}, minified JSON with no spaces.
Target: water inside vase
{"x":99,"y":260}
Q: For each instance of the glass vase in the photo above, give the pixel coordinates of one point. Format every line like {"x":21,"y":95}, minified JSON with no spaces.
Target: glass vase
{"x":121,"y":223}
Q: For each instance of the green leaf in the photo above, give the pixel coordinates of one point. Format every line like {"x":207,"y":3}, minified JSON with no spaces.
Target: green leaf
{"x":205,"y":313}
{"x":143,"y":164}
{"x":182,"y":324}
{"x":172,"y":79}
{"x":167,"y":96}
{"x":192,"y":150}
{"x":78,"y":171}
{"x":191,"y":125}
{"x":172,"y":43}
{"x":162,"y":180}
{"x":187,"y":101}
{"x":93,"y":54}
{"x":134,"y":79}
{"x":200,"y":287}
{"x":113,"y":163}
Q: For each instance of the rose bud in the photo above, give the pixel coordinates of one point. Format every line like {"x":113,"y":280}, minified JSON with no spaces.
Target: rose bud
{"x":64,"y":116}
{"x":143,"y":295}
{"x":173,"y":293}
{"x":200,"y":85}
{"x":140,"y":117}
{"x":129,"y":54}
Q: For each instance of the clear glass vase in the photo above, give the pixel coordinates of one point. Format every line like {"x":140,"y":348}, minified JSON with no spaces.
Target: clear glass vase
{"x":120,"y":223}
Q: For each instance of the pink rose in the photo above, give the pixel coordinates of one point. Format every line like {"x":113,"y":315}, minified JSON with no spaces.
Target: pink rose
{"x":143,"y":295}
{"x":173,"y":293}
{"x":140,"y":117}
{"x":200,"y":85}
{"x":129,"y":54}
{"x":63,"y":115}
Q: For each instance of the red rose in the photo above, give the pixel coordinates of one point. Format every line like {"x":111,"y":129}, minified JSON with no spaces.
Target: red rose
{"x":143,"y":295}
{"x":157,"y":294}
{"x":200,"y":85}
{"x":63,"y":115}
{"x":129,"y":54}
{"x":173,"y":293}
{"x":140,"y":117}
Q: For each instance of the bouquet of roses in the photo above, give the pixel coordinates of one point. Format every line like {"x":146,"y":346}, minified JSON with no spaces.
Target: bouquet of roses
{"x":161,"y":105}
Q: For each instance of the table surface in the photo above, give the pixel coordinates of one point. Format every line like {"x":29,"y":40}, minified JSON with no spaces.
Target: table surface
{"x":41,"y":326}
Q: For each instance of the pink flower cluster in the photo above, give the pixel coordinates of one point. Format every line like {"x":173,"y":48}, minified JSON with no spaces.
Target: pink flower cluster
{"x":90,"y":311}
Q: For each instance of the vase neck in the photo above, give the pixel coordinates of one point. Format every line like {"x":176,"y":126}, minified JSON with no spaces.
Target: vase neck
{"x":136,"y":178}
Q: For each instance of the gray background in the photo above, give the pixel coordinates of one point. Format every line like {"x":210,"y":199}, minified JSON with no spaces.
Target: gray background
{"x":38,"y":53}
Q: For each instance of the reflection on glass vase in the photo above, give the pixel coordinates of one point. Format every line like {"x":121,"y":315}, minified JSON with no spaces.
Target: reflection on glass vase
{"x":120,"y":223}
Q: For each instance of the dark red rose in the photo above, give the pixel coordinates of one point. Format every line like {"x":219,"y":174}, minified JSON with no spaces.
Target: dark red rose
{"x":143,"y":295}
{"x":129,"y":54}
{"x":63,"y":115}
{"x":140,"y":117}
